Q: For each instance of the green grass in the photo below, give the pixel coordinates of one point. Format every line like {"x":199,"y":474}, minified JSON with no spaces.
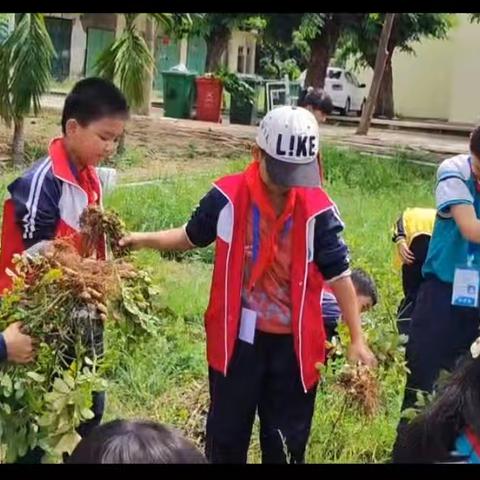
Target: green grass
{"x":6,"y":177}
{"x":151,"y":380}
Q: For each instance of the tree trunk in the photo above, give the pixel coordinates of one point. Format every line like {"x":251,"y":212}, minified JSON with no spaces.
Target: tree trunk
{"x":321,"y":50}
{"x":217,"y":44}
{"x":380,"y":62}
{"x":385,"y":104}
{"x":385,"y":107}
{"x":145,"y":108}
{"x":18,"y":144}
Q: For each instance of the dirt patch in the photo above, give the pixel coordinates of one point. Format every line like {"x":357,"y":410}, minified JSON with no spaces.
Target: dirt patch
{"x":164,"y":146}
{"x":173,"y":149}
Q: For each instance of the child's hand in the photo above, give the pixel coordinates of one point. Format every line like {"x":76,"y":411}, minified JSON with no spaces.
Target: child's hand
{"x":132,"y":241}
{"x":20,"y":347}
{"x":407,"y":255}
{"x":358,"y":351}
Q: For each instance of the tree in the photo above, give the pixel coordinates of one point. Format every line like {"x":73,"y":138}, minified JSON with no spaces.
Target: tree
{"x":360,"y":44}
{"x":217,"y":29}
{"x":322,"y":31}
{"x":130,"y":60}
{"x":6,"y":23}
{"x":25,"y":75}
{"x":319,"y":31}
{"x":276,"y":58}
{"x":380,"y":63}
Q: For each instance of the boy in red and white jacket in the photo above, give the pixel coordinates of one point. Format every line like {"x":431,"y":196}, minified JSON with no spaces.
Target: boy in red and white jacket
{"x":46,"y":202}
{"x":278,"y":241}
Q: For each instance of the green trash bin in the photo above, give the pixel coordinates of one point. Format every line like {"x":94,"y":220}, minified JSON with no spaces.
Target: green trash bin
{"x":178,"y":92}
{"x":241,"y":111}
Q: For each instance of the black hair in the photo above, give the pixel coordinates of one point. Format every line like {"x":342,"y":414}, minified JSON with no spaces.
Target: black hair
{"x":122,"y":441}
{"x":475,"y":142}
{"x":317,"y":98}
{"x":364,"y":284}
{"x":92,"y":99}
{"x":430,"y":437}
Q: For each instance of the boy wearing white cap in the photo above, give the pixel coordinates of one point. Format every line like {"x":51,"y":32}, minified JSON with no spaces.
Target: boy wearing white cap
{"x":277,"y":240}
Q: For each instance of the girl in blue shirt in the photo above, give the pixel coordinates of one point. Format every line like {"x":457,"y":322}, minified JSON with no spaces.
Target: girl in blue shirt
{"x":440,"y":332}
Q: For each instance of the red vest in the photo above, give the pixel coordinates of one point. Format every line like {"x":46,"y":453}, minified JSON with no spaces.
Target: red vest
{"x":72,"y":203}
{"x":222,"y":317}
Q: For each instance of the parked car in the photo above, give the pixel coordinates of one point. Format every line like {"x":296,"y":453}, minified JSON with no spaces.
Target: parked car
{"x":347,"y":93}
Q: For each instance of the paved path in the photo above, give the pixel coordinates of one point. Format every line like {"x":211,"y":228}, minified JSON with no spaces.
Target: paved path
{"x":421,"y":145}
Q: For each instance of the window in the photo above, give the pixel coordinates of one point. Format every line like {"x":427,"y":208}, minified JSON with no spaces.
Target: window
{"x":60,"y":31}
{"x":334,"y":74}
{"x":349,"y":78}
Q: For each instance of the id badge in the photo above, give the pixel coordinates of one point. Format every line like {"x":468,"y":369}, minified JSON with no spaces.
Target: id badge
{"x":466,"y":282}
{"x":248,"y":322}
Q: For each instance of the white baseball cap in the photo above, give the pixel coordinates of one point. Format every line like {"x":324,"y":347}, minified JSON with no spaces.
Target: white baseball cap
{"x":291,"y":138}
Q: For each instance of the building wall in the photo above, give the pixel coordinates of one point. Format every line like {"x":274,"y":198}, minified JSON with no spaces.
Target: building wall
{"x":422,"y":82}
{"x":80,"y":24}
{"x":78,"y":47}
{"x":465,"y":76}
{"x":116,"y":23}
{"x":247,"y":41}
{"x":439,"y":81}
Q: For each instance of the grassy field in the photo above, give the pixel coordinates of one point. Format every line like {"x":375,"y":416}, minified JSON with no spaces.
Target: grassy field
{"x":164,"y":377}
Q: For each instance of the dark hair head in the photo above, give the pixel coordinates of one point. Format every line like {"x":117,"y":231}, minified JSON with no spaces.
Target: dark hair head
{"x":92,"y":99}
{"x":124,"y":441}
{"x":317,"y":98}
{"x":475,"y":142}
{"x":431,"y":436}
{"x":365,"y":285}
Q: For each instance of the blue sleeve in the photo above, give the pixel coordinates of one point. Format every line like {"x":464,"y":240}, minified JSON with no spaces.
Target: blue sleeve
{"x":452,"y":191}
{"x":330,"y":252}
{"x":36,"y":196}
{"x":453,"y":176}
{"x":201,"y":229}
{"x":3,"y":349}
{"x":330,"y":310}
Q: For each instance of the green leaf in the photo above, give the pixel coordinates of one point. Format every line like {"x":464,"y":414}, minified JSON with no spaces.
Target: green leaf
{"x":45,"y":420}
{"x":67,"y":443}
{"x":6,"y":383}
{"x":69,"y":381}
{"x":57,"y":400}
{"x":22,"y":446}
{"x":420,"y":399}
{"x":11,"y":454}
{"x":86,"y":414}
{"x":36,"y":377}
{"x":52,"y":275}
{"x":126,"y":62}
{"x":52,"y":396}
{"x":409,"y":413}
{"x":60,"y":386}
{"x":28,"y":51}
{"x":32,"y":437}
